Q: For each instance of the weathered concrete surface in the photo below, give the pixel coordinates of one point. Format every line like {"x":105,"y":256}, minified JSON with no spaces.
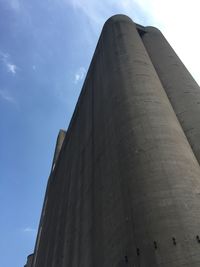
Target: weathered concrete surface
{"x":45,"y":219}
{"x":29,"y":261}
{"x":181,"y":88}
{"x":125,"y":190}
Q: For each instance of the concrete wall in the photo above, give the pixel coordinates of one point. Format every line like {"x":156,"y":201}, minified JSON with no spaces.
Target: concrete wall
{"x":59,"y":142}
{"x":29,"y":261}
{"x":45,"y":219}
{"x":126,"y":187}
{"x":181,"y":88}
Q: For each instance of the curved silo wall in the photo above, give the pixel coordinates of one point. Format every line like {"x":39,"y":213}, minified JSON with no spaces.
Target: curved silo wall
{"x":125,"y":190}
{"x":181,"y":88}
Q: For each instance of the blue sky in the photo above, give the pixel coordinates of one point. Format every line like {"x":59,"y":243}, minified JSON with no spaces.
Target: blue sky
{"x":45,"y":50}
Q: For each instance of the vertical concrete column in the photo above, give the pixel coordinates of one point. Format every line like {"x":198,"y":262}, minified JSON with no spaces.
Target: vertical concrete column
{"x":50,"y":208}
{"x":59,"y":142}
{"x":182,"y":90}
{"x":45,"y":246}
{"x":77,"y":236}
{"x":139,"y":145}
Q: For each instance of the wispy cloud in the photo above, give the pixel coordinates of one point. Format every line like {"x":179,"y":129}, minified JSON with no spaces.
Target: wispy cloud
{"x":98,"y":11}
{"x":79,"y":75}
{"x":14,"y":4}
{"x":92,"y":9}
{"x":173,"y":23}
{"x":11,"y":67}
{"x":4,"y":56}
{"x":29,"y":230}
{"x":7,"y":97}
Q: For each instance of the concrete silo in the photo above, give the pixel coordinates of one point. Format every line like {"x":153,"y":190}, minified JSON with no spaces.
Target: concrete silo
{"x":125,"y":189}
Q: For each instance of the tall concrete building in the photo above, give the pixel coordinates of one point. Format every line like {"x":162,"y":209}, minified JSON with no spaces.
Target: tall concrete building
{"x":124,"y":188}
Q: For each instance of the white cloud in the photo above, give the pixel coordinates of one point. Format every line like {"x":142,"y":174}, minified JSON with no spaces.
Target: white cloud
{"x":5,"y":95}
{"x":79,"y":75}
{"x":5,"y":58}
{"x":11,"y":68}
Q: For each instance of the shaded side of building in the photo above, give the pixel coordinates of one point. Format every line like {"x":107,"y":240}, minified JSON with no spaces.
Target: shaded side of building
{"x":125,"y":188}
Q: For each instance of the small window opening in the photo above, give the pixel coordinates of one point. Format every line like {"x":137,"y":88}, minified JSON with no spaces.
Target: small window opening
{"x":126,"y":258}
{"x":174,"y":240}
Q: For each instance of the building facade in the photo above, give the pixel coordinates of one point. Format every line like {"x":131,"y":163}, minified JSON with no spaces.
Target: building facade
{"x":124,"y":189}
